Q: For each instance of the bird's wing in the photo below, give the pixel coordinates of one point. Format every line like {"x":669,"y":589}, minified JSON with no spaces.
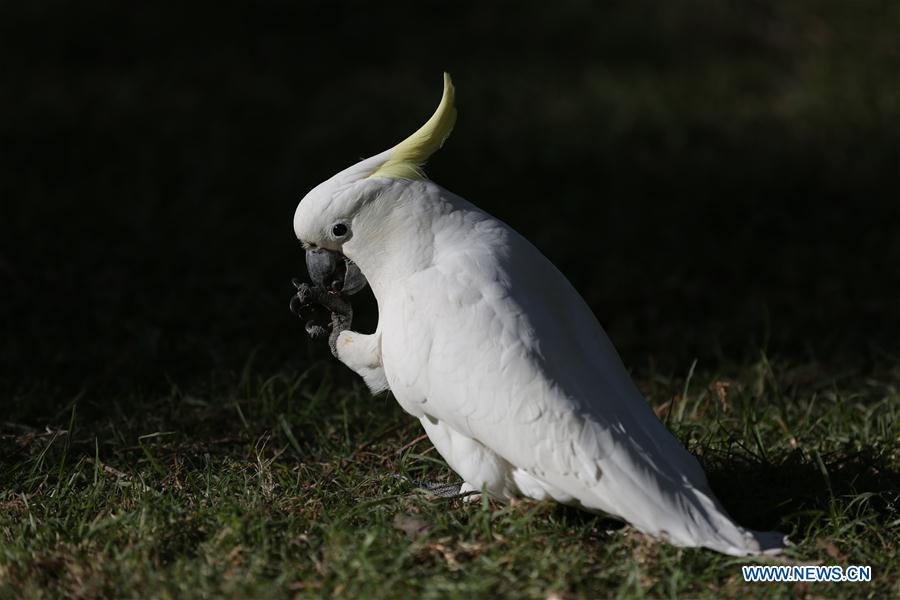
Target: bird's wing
{"x":516,"y":360}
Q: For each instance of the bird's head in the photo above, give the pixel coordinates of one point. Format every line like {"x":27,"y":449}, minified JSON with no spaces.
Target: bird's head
{"x":346,"y":213}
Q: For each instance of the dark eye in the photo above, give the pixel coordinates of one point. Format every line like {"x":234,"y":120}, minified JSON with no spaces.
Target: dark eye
{"x":339,"y":230}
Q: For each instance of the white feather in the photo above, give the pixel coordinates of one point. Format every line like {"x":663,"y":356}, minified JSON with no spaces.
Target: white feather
{"x":515,"y":381}
{"x":488,"y":344}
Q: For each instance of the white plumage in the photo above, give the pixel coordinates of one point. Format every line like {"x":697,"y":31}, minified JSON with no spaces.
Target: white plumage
{"x":484,"y":341}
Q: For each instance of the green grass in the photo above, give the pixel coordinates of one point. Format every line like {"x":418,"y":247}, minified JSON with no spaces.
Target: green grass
{"x":286,"y":484}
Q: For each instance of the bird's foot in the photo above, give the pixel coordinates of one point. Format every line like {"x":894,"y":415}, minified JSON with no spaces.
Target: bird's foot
{"x":469,"y":492}
{"x":434,"y":488}
{"x":309,"y":298}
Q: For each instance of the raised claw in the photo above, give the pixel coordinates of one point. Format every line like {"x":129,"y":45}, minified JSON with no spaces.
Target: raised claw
{"x":309,"y":297}
{"x":314,"y":330}
{"x":306,"y":296}
{"x":296,"y":305}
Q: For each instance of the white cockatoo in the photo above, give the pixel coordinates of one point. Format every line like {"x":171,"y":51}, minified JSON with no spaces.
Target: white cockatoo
{"x":485,"y":342}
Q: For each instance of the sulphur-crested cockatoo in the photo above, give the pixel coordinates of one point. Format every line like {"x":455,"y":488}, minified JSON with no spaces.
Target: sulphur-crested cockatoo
{"x":485,"y":342}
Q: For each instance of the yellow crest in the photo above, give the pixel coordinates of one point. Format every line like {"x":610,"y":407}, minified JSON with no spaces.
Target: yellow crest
{"x":408,"y":156}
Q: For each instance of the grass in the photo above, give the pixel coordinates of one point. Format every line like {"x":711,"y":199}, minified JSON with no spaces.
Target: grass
{"x":288,"y":484}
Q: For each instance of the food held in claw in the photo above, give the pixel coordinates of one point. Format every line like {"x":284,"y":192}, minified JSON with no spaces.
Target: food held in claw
{"x":334,"y":277}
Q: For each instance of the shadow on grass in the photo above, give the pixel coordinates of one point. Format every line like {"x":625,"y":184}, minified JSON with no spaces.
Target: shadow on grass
{"x":801,"y":494}
{"x":798,"y":494}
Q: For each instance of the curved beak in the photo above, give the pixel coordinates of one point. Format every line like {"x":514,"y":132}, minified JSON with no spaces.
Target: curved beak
{"x":333,"y":271}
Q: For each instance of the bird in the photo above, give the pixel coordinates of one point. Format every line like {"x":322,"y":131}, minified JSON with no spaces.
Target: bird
{"x":484,"y":341}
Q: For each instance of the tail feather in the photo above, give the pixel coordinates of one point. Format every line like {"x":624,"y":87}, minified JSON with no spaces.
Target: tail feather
{"x":698,"y":519}
{"x":657,"y":499}
{"x":686,"y":511}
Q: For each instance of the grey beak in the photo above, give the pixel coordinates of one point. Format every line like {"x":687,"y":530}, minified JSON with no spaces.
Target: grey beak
{"x":334,"y":272}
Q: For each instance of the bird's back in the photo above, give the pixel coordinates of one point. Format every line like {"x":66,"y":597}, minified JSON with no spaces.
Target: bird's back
{"x":514,"y":358}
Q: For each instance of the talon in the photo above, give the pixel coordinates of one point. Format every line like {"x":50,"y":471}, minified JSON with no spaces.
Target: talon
{"x":306,"y":294}
{"x":303,"y":299}
{"x":308,"y":297}
{"x":314,"y":330}
{"x":296,"y":305}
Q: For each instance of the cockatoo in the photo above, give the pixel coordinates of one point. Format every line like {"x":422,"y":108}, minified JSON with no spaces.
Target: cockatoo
{"x":484,"y":341}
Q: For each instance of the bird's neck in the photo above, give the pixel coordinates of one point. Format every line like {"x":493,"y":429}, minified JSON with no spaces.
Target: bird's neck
{"x":400,"y":237}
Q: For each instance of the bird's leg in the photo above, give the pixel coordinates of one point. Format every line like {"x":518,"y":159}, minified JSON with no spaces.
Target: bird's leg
{"x":441,"y":490}
{"x":340,"y":322}
{"x":341,"y":316}
{"x":433,"y":488}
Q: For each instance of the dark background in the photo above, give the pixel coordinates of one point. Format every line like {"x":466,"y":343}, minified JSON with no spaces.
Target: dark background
{"x":717,"y":178}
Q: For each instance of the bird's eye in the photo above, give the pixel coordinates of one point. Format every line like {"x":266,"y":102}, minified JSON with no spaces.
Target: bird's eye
{"x":339,"y":230}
